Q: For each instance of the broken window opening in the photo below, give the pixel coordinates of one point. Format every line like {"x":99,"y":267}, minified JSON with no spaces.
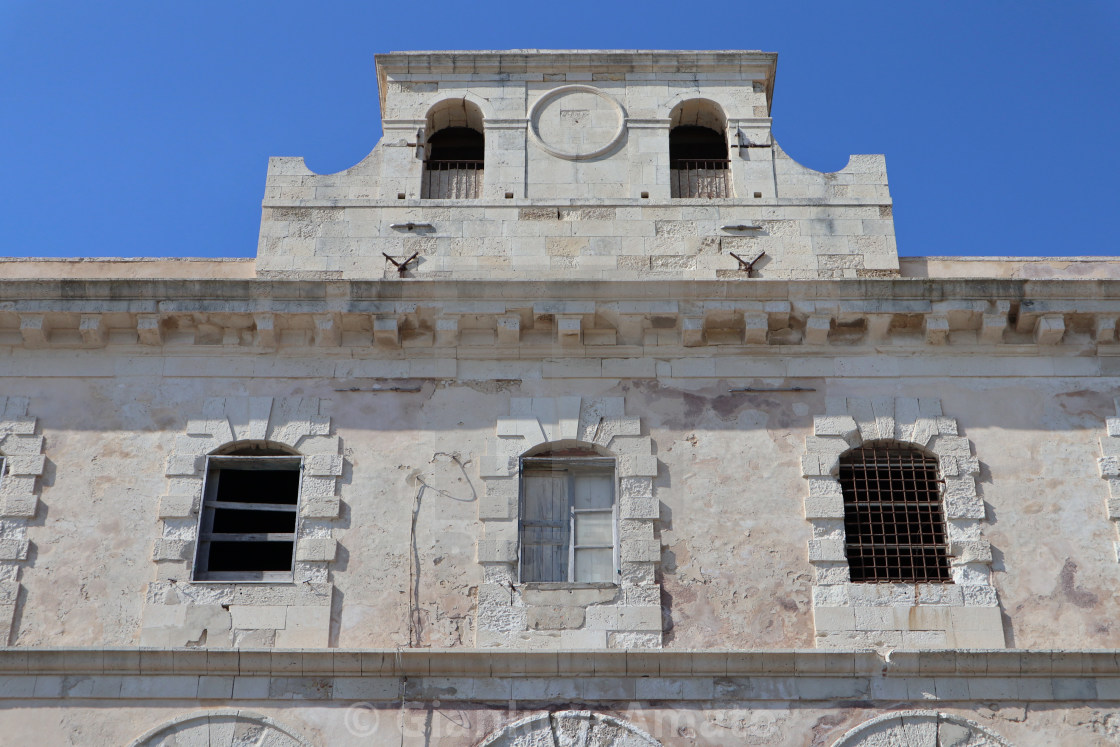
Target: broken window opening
{"x":250,"y":509}
{"x":893,"y":518}
{"x":569,"y":519}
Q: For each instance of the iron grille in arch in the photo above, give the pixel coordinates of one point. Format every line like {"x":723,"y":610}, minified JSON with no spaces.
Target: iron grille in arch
{"x":892,"y":515}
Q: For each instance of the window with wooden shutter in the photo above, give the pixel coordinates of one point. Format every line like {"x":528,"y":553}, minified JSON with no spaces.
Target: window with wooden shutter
{"x":568,"y":520}
{"x":247,"y":525}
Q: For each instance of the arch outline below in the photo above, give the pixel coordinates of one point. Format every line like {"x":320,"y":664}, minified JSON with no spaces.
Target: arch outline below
{"x":233,"y":714}
{"x":962,"y":726}
{"x":633,"y":736}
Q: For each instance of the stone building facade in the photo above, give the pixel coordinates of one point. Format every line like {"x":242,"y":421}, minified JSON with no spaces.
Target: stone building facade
{"x":550,"y":423}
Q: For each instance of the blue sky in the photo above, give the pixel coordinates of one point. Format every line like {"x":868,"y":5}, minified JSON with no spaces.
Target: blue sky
{"x":144,"y":128}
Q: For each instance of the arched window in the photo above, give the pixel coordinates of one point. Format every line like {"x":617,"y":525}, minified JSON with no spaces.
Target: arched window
{"x":893,"y":519}
{"x":568,"y":518}
{"x":250,"y":508}
{"x":698,"y":156}
{"x":455,"y":152}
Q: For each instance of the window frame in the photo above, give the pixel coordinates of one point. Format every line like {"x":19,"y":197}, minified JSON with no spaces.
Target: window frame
{"x":215,"y":463}
{"x":571,"y":465}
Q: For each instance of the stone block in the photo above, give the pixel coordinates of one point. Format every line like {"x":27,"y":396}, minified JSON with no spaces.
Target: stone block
{"x":26,"y":464}
{"x":566,"y":597}
{"x":148,"y":329}
{"x":497,"y":551}
{"x":602,"y":617}
{"x":320,"y":507}
{"x":324,"y":465}
{"x":177,"y":506}
{"x":824,"y":507}
{"x":692,"y":331}
{"x":756,"y":325}
{"x":636,"y":465}
{"x":183,"y":464}
{"x":583,"y":639}
{"x":93,"y":330}
{"x":255,"y":617}
{"x":641,"y":551}
{"x":827,"y":550}
{"x":811,"y":466}
{"x":1049,"y":329}
{"x":509,"y":329}
{"x":992,"y":327}
{"x":937,"y":329}
{"x":498,"y":499}
{"x":316,"y":549}
{"x":817,"y":327}
{"x":173,"y":549}
{"x":386,"y":331}
{"x":640,"y":618}
{"x":833,"y":618}
{"x":21,"y":505}
{"x":447,"y":332}
{"x":305,"y":627}
{"x":217,"y":687}
{"x":978,"y":551}
{"x":843,"y":426}
{"x":34,"y":329}
{"x":977,"y":618}
{"x":568,"y":329}
{"x":554,"y":617}
{"x":496,"y":466}
{"x":644,"y":507}
{"x":977,"y":639}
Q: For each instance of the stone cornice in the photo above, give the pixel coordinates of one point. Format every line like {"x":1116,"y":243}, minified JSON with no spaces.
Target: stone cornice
{"x":864,"y":290}
{"x":600,"y":318}
{"x":736,"y":64}
{"x":518,"y":663}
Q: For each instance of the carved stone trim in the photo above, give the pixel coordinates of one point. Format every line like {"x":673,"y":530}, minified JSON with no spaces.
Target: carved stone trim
{"x":297,"y":614}
{"x":537,"y":109}
{"x":570,"y":727}
{"x":222,"y":726}
{"x":622,"y":615}
{"x":962,"y":614}
{"x":920,"y":729}
{"x":20,"y":485}
{"x":1109,"y":464}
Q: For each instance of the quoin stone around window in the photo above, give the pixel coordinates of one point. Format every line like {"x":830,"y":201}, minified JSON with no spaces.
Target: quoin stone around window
{"x":905,"y":606}
{"x":264,"y":607}
{"x":558,"y":454}
{"x":22,"y":464}
{"x":1109,"y":464}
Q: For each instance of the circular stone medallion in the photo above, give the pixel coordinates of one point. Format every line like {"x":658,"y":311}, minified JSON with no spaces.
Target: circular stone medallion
{"x":576,"y":122}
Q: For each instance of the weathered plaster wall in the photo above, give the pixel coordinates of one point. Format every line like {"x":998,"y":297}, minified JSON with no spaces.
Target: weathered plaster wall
{"x":734,"y":569}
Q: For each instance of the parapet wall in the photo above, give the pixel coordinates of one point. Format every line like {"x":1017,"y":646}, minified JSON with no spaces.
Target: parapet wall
{"x":577,"y":179}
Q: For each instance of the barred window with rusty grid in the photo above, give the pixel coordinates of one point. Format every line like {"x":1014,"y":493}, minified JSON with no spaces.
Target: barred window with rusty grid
{"x":893,"y":518}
